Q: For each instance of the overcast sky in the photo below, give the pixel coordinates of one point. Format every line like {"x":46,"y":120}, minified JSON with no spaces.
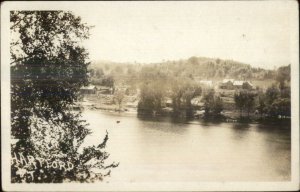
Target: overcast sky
{"x":257,"y":33}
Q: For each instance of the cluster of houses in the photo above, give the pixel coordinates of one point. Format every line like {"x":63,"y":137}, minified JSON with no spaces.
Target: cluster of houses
{"x":106,"y":94}
{"x":234,"y":84}
{"x":229,"y":84}
{"x":104,"y":90}
{"x":102,"y":96}
{"x":92,"y":89}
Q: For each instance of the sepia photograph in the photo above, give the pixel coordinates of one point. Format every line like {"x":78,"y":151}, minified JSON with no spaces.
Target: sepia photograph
{"x":150,"y":96}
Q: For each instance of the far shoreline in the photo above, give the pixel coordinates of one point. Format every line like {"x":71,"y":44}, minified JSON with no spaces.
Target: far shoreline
{"x":208,"y":119}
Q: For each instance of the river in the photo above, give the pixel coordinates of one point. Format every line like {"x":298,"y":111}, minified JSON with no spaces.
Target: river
{"x":164,"y":150}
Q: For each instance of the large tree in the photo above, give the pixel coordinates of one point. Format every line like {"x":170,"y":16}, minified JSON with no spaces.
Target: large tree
{"x":283,"y":76}
{"x":151,"y":98}
{"x":239,"y":99}
{"x":153,"y":85}
{"x":261,"y":103}
{"x":244,"y":100}
{"x":213,"y":105}
{"x":183,"y":91}
{"x":48,"y":67}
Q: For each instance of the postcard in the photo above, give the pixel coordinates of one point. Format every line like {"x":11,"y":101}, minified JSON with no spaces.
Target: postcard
{"x":150,"y":96}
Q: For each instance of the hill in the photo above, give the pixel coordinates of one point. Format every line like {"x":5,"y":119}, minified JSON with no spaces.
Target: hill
{"x":194,"y":67}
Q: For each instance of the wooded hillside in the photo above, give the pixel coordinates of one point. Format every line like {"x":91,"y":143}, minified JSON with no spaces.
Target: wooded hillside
{"x":195,"y":68}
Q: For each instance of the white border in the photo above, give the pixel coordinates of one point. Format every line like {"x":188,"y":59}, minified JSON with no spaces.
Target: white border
{"x":206,"y":186}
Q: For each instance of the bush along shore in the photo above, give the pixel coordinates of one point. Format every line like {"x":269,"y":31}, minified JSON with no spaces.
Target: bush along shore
{"x":246,"y":106}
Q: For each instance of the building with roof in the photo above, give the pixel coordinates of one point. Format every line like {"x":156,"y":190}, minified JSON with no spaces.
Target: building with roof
{"x":227,"y":84}
{"x":235,"y":84}
{"x":238,"y":84}
{"x":91,"y":89}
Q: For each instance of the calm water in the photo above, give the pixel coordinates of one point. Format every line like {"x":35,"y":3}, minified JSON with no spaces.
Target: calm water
{"x":161,"y":150}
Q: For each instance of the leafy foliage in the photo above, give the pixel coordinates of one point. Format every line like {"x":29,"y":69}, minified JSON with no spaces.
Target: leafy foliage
{"x":177,"y":80}
{"x":48,"y":67}
{"x":182,"y":93}
{"x":119,"y":97}
{"x":261,"y":106}
{"x":153,"y":89}
{"x":151,"y":99}
{"x":213,"y":105}
{"x":278,"y":102}
{"x":283,"y":76}
{"x":245,"y":100}
{"x":194,"y":67}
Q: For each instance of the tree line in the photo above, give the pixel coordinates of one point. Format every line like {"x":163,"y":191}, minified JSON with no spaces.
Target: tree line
{"x":194,"y":67}
{"x":170,"y":81}
{"x":157,"y":87}
{"x":275,"y":101}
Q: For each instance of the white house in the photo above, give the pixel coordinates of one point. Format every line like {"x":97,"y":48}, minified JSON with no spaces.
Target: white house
{"x":243,"y":84}
{"x":235,"y":84}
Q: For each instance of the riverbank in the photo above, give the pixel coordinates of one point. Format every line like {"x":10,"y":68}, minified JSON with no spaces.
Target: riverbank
{"x":226,"y":116}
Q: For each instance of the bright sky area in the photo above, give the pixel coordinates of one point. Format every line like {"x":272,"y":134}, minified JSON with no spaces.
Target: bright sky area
{"x":253,"y":32}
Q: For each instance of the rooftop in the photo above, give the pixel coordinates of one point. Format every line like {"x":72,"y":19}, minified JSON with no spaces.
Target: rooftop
{"x":89,"y":87}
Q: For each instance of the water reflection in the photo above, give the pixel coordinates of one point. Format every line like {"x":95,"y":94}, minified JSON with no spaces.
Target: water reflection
{"x":240,"y":126}
{"x":170,"y":119}
{"x":240,"y":130}
{"x":274,"y":126}
{"x":166,"y":149}
{"x":164,"y":124}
